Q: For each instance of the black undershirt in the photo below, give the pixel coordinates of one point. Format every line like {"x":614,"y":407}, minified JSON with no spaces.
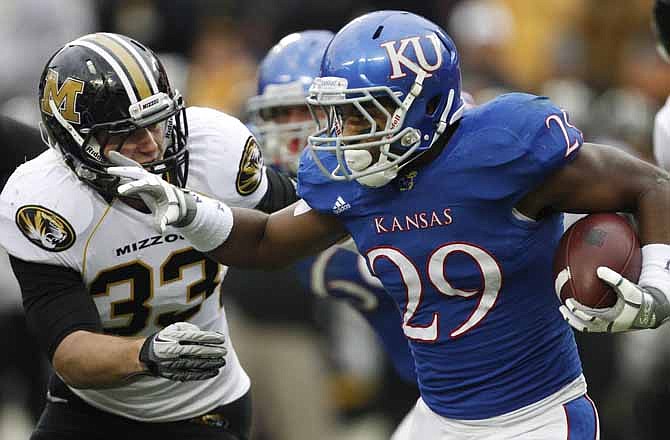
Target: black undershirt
{"x":55,"y":301}
{"x":280,"y":192}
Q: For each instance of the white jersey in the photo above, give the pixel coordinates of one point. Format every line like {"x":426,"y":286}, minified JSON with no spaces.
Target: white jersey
{"x":140,"y":281}
{"x":662,"y":136}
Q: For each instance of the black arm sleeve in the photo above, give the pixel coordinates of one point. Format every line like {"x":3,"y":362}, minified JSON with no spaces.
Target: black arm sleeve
{"x":56,"y":302}
{"x":280,"y":193}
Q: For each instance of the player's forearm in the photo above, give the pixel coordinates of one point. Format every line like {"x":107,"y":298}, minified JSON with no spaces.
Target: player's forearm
{"x":91,"y":360}
{"x":248,"y":244}
{"x":652,"y":212}
{"x":258,"y":240}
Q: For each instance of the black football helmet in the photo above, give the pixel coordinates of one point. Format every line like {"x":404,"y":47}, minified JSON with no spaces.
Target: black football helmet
{"x":661,"y":25}
{"x":104,"y":86}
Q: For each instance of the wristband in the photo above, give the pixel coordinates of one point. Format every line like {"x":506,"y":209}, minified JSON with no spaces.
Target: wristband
{"x":655,"y":267}
{"x":211,"y":224}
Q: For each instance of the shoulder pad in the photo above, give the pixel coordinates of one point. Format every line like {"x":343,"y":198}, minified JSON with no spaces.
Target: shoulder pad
{"x":46,"y":212}
{"x":513,"y":143}
{"x":225,"y":161}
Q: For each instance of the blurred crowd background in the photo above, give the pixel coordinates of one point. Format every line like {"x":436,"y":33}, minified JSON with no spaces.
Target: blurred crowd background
{"x":595,"y":58}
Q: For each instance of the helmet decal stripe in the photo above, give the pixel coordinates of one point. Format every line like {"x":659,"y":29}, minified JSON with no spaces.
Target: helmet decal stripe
{"x":115,"y":65}
{"x":140,"y":60}
{"x":128,"y":61}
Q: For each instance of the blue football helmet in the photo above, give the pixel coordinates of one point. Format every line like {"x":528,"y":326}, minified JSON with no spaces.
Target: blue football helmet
{"x":284,"y":77}
{"x":389,"y":66}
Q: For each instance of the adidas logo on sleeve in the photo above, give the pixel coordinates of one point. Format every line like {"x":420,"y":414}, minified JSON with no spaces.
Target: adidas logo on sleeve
{"x":340,"y":205}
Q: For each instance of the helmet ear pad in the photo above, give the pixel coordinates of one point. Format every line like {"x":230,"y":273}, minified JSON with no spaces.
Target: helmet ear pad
{"x":433,"y":104}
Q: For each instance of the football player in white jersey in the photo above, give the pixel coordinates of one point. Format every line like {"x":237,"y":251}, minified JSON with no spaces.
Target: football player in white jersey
{"x":132,"y":320}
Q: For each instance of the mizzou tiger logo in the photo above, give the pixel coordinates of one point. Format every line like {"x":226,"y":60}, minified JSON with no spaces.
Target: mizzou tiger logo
{"x":64,"y":97}
{"x":44,"y":228}
{"x":250,"y":174}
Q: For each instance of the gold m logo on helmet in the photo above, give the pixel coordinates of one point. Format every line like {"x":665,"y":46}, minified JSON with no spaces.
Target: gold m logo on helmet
{"x":44,"y":228}
{"x":65,"y":96}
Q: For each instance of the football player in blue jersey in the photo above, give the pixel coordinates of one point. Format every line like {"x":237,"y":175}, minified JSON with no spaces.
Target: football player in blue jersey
{"x":458,"y":213}
{"x":282,"y":122}
{"x":281,"y":118}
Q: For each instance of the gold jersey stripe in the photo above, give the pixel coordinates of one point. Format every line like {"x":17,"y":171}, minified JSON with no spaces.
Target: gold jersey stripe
{"x":88,"y":240}
{"x":127,"y":60}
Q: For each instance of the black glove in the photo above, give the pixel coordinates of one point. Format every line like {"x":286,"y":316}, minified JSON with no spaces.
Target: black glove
{"x":183,"y":352}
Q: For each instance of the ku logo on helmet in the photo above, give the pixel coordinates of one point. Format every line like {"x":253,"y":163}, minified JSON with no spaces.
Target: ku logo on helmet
{"x":64,"y":97}
{"x":398,"y":58}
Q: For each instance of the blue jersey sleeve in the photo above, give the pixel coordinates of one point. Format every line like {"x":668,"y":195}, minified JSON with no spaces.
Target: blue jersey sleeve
{"x":341,"y":198}
{"x":512,"y":144}
{"x":315,"y":188}
{"x":554,"y":142}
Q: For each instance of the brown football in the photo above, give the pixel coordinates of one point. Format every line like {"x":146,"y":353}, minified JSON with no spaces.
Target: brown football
{"x":593,"y":241}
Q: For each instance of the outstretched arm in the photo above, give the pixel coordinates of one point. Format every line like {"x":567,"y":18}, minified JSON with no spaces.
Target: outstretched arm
{"x":267,"y":241}
{"x":233,"y":237}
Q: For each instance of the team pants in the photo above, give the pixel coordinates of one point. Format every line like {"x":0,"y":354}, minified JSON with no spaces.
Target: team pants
{"x":575,"y":420}
{"x":77,"y":420}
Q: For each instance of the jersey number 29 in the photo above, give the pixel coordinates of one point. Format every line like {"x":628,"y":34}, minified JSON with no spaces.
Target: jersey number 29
{"x":436,"y":268}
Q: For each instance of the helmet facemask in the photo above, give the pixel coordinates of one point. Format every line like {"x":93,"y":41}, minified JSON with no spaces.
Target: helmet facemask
{"x":392,"y":56}
{"x":282,"y":142}
{"x":372,"y":157}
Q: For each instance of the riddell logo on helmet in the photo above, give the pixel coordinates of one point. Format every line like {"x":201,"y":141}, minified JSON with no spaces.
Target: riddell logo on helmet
{"x":398,"y":59}
{"x":395,"y":121}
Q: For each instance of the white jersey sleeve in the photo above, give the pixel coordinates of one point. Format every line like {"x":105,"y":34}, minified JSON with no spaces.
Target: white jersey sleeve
{"x":225,"y":161}
{"x":662,"y":136}
{"x":44,"y":215}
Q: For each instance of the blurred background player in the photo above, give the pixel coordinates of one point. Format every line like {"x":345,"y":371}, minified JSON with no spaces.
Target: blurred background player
{"x":354,"y":384}
{"x":274,"y":307}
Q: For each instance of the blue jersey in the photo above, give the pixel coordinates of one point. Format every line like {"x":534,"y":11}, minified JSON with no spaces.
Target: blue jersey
{"x":472,"y":276}
{"x":343,"y":274}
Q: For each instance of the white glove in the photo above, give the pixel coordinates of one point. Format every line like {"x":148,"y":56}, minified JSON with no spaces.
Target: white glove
{"x":168,"y":204}
{"x":637,"y":307}
{"x":183,"y":352}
